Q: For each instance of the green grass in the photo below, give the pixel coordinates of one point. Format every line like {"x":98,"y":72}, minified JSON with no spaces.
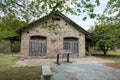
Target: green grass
{"x":7,"y":72}
{"x":7,"y":61}
{"x":111,"y":55}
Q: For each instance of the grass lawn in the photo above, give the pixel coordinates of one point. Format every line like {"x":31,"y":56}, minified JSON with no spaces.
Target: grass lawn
{"x":7,"y":72}
{"x":112,"y":55}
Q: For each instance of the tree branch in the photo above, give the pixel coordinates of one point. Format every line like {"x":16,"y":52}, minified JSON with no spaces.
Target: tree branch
{"x":14,"y":2}
{"x":5,"y":6}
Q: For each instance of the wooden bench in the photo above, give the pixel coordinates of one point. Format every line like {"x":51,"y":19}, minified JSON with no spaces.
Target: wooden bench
{"x":46,"y":72}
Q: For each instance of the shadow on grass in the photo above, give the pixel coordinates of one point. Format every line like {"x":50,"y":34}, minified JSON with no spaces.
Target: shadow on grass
{"x":7,"y":72}
{"x":111,"y":55}
{"x":24,"y":73}
{"x":107,"y":55}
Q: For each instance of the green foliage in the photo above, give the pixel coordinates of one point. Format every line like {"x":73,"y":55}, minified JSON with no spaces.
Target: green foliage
{"x":9,"y":24}
{"x":113,"y":6}
{"x":28,"y":9}
{"x":106,"y":33}
{"x":97,"y":1}
{"x":92,"y":15}
{"x":16,"y":46}
{"x":5,"y":46}
{"x":84,"y":18}
{"x":106,"y":37}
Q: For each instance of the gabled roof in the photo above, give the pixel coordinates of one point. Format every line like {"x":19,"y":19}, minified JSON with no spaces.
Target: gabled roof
{"x":50,"y":16}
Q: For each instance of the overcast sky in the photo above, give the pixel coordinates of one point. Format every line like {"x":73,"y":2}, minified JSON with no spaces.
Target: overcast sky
{"x":89,"y":22}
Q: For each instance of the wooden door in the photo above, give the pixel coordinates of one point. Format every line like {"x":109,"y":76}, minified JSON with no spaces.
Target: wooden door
{"x":38,"y":46}
{"x":72,"y":44}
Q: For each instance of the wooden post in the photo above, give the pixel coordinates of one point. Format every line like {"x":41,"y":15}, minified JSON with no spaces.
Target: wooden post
{"x":68,"y":57}
{"x":57,"y":58}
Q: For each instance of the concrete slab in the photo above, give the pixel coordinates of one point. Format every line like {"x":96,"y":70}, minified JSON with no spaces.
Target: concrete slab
{"x":85,"y":72}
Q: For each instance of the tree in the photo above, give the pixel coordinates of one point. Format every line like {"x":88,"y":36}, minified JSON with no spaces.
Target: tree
{"x":9,"y":24}
{"x":105,"y":38}
{"x":36,"y":8}
{"x":106,"y":33}
{"x":113,"y":21}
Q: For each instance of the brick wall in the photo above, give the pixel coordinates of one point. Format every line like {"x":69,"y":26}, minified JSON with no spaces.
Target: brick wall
{"x":54,"y":41}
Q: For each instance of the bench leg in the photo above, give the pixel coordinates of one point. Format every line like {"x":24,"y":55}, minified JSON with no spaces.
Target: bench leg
{"x":47,"y":77}
{"x":41,"y":78}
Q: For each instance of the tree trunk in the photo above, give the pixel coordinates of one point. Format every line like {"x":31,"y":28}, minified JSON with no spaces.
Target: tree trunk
{"x":104,"y":49}
{"x":105,"y":53}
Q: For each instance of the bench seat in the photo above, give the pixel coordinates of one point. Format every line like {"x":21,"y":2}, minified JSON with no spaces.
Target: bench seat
{"x":46,"y":71}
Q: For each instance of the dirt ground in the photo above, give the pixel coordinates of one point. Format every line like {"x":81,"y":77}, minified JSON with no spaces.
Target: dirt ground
{"x":113,"y":65}
{"x":52,"y":62}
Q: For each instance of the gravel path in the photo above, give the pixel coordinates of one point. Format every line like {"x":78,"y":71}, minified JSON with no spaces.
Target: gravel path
{"x":52,"y":62}
{"x":85,"y":72}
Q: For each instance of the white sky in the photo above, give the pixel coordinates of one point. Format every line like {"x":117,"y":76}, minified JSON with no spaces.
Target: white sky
{"x":89,"y":22}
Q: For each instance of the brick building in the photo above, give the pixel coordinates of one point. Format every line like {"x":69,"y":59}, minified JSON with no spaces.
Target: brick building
{"x":37,"y":41}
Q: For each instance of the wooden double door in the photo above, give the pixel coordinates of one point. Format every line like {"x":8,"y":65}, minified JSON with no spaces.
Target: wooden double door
{"x":37,"y":46}
{"x":73,"y":45}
